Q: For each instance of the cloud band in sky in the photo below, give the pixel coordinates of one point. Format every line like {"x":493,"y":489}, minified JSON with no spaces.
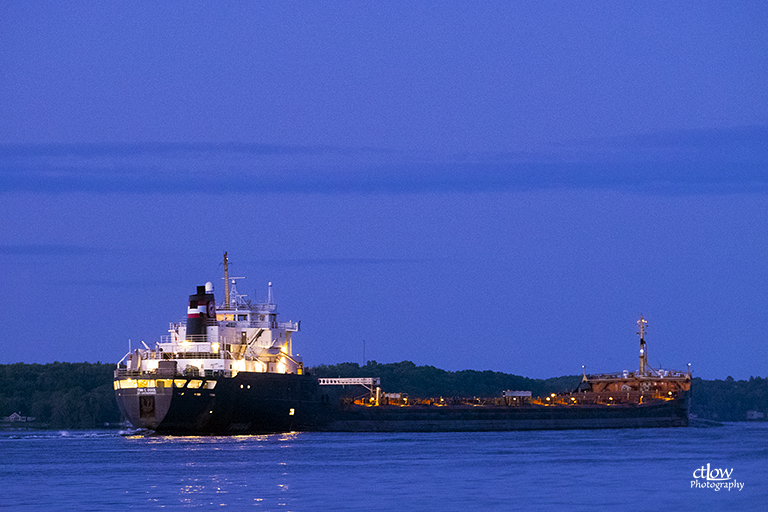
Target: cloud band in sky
{"x":704,"y":161}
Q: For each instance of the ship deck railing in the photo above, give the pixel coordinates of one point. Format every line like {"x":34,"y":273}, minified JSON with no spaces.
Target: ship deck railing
{"x":574,"y":399}
{"x":608,"y":398}
{"x":365,"y":400}
{"x":265,"y":324}
{"x":168,"y":355}
{"x":229,"y":340}
{"x":122,"y":373}
{"x":666,"y":374}
{"x":245,"y":307}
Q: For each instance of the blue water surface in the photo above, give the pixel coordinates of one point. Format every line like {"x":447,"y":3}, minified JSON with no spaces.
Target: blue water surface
{"x":644,"y":469}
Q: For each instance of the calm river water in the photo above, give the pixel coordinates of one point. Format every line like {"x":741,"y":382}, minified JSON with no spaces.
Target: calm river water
{"x":649,"y":469}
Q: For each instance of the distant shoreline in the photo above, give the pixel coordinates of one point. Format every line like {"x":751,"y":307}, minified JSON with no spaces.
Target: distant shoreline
{"x":81,"y":396}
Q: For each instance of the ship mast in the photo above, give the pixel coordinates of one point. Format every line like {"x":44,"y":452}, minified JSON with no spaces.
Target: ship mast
{"x":643,"y":353}
{"x":226,"y":281}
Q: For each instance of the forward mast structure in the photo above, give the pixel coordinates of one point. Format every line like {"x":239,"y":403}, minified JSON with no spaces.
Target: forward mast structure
{"x":636,"y":386}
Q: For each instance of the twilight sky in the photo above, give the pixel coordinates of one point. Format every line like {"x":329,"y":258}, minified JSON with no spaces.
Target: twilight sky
{"x":469,"y":185}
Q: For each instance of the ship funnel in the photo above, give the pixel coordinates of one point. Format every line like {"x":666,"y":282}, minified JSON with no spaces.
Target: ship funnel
{"x":201,"y":313}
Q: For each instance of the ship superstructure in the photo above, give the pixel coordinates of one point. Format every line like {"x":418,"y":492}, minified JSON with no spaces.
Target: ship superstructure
{"x":222,"y":340}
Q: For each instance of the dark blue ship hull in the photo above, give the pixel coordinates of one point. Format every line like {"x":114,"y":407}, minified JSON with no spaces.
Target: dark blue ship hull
{"x":261,"y":403}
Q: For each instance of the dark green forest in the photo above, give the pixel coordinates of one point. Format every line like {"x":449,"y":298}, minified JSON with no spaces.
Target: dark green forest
{"x":729,"y":400}
{"x":81,"y":396}
{"x":60,"y":395}
{"x":428,"y":381}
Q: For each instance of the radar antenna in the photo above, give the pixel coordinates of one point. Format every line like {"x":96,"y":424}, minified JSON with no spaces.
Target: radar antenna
{"x":235,"y":299}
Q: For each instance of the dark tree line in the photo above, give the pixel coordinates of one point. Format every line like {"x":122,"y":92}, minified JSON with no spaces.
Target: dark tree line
{"x":60,"y":395}
{"x":428,"y":381}
{"x":80,"y":395}
{"x":729,"y":400}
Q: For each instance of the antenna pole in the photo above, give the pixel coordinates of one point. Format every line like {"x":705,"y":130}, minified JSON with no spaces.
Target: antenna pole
{"x":226,"y":281}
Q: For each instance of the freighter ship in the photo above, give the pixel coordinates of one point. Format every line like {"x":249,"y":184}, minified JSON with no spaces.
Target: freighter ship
{"x":230,"y":369}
